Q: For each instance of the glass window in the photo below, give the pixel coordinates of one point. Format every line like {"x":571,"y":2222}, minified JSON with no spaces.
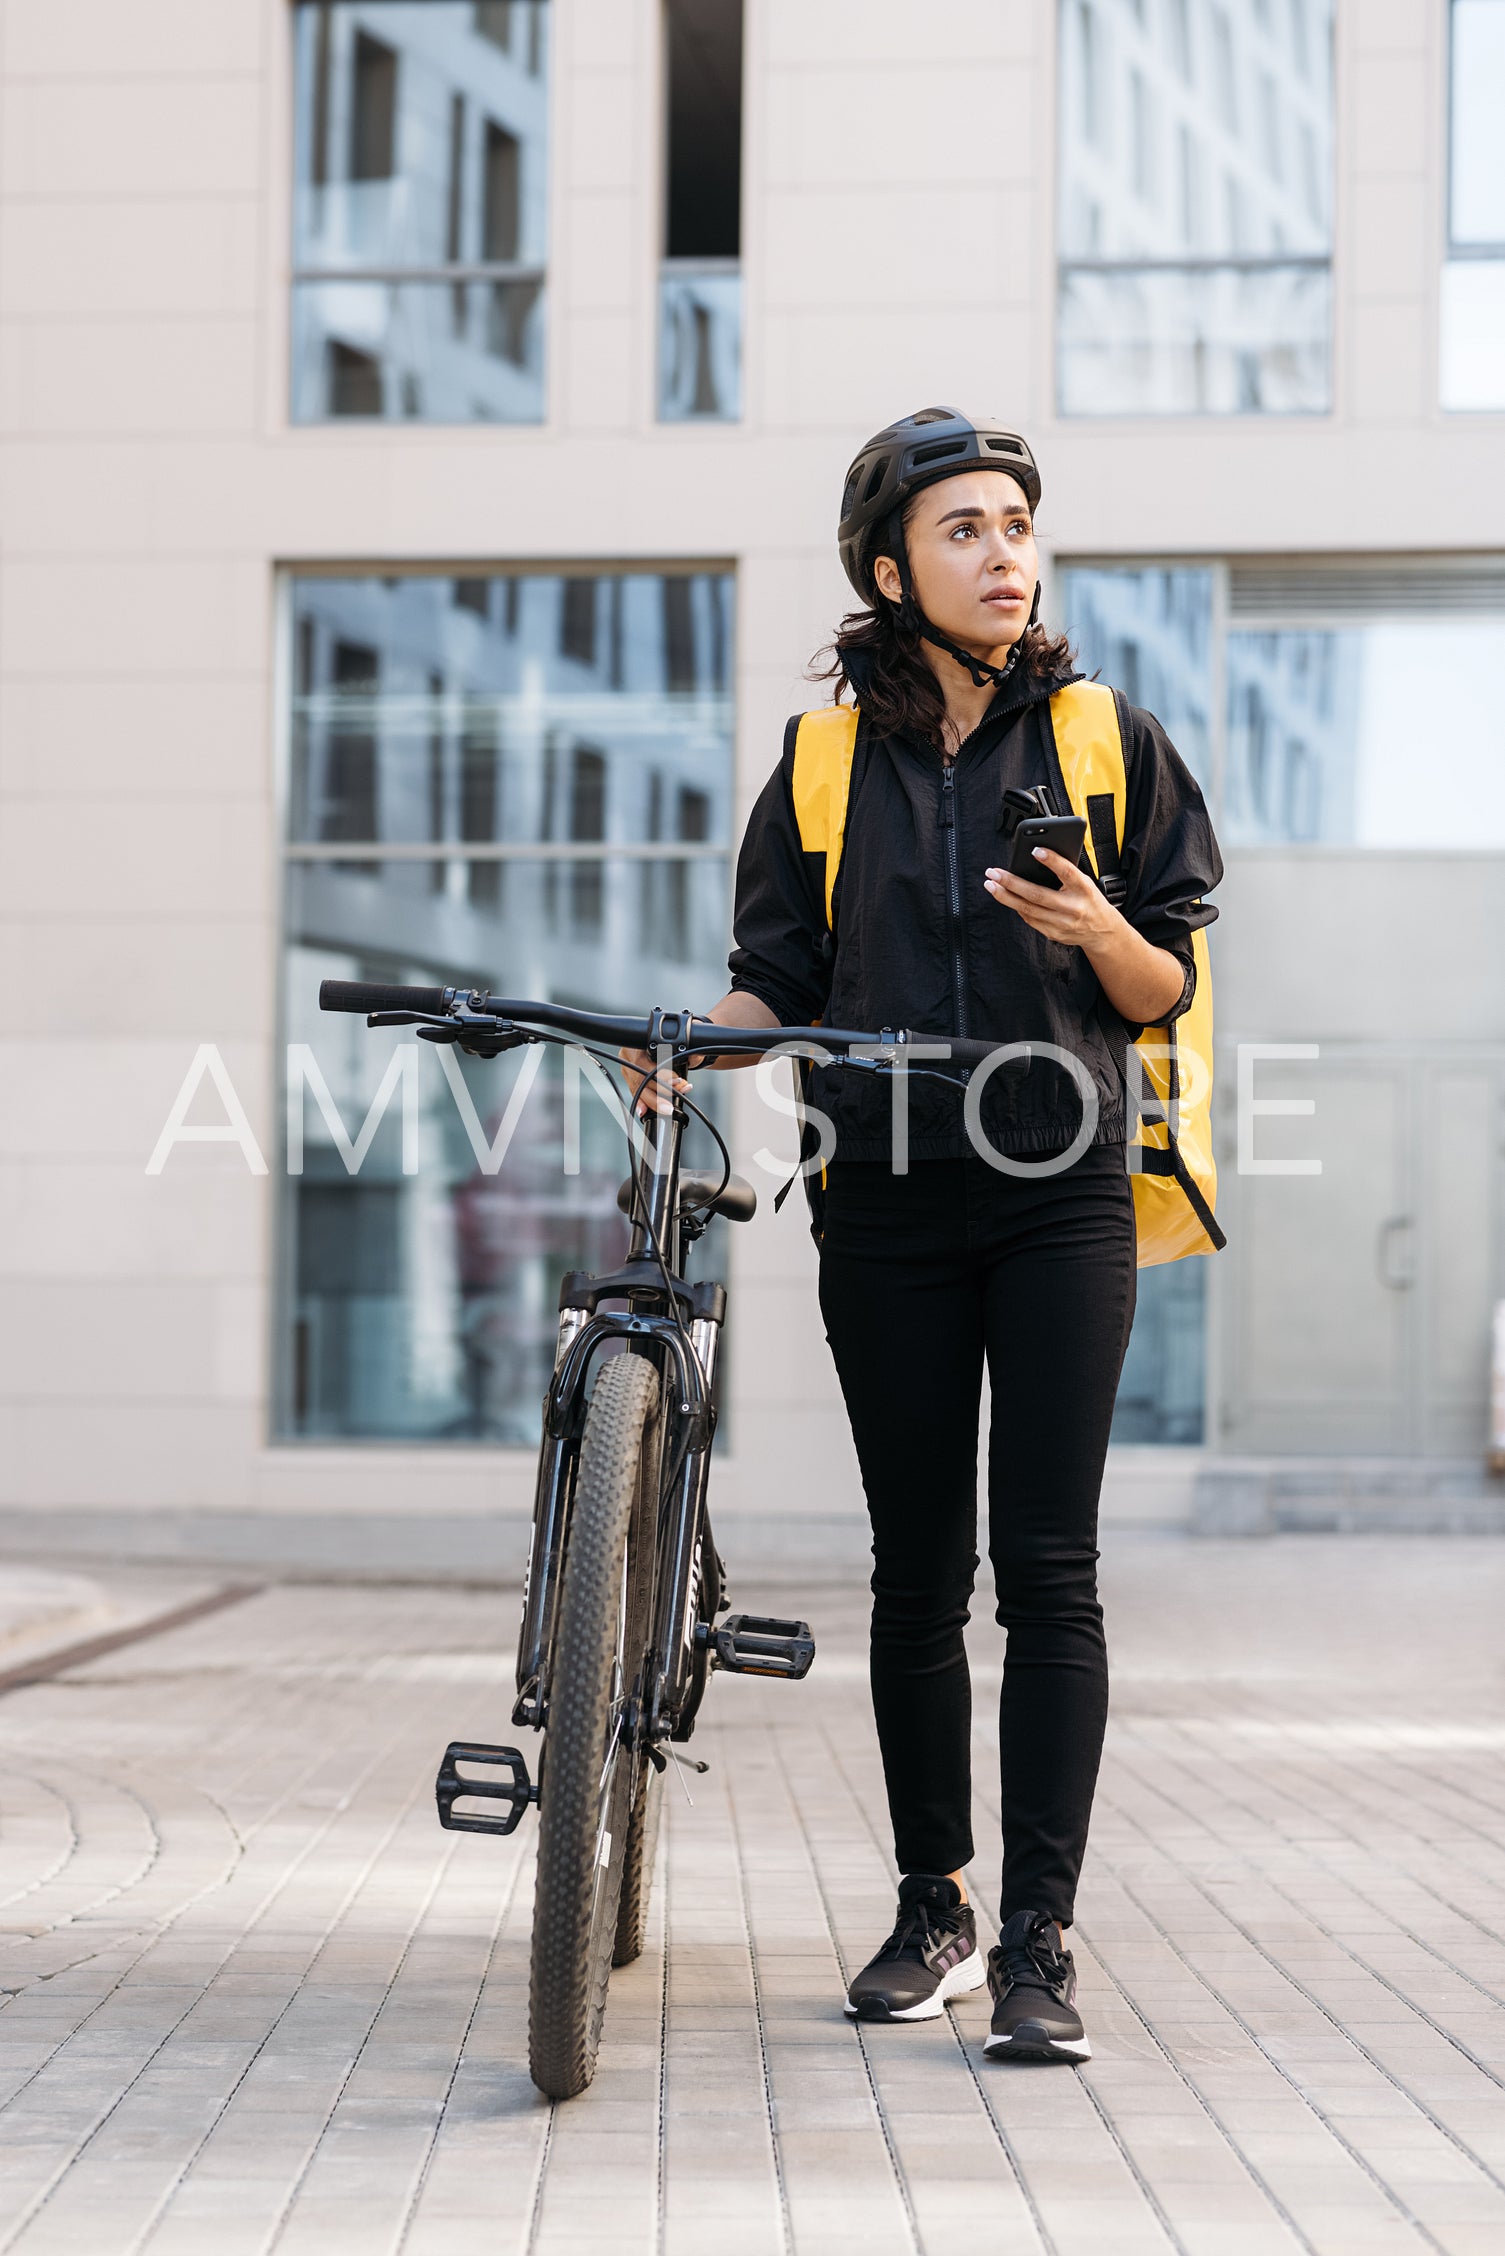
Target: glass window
{"x":700,"y":286}
{"x":1195,"y":208}
{"x":517,"y":781}
{"x":1148,"y":631}
{"x":419,"y":210}
{"x":1162,"y":1392}
{"x":1323,"y":745}
{"x":1313,"y":737}
{"x":1473,"y":279}
{"x":1316,"y":705}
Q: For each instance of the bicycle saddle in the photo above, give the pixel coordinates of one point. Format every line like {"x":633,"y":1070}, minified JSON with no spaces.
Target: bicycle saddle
{"x":738,"y":1202}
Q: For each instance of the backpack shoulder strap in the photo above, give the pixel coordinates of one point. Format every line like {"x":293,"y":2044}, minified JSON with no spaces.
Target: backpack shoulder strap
{"x":1088,"y":724}
{"x":823,"y":746}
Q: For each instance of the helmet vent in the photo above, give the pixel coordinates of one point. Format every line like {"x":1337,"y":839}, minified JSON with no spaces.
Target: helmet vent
{"x":939,"y":450}
{"x":934,"y":415}
{"x":1005,"y":446}
{"x":879,"y":473}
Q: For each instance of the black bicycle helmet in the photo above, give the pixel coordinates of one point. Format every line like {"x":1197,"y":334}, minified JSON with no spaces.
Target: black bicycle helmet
{"x":920,"y":450}
{"x":917,"y":451}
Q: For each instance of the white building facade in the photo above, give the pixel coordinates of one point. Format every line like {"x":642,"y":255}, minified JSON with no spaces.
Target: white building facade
{"x":421,"y":429}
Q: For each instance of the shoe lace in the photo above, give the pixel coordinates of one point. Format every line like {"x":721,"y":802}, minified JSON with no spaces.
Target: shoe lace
{"x":917,"y":1926}
{"x":1032,"y":1961}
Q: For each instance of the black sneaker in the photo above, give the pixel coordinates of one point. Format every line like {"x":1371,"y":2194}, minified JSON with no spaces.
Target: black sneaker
{"x":1034,"y":1994}
{"x":931,"y":1956}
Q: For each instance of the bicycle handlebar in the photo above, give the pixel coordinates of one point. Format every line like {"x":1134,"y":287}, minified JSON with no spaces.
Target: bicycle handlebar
{"x":682,"y":1032}
{"x":356,"y":995}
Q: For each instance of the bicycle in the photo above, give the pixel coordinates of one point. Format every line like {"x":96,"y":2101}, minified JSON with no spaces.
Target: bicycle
{"x":624,"y":1584}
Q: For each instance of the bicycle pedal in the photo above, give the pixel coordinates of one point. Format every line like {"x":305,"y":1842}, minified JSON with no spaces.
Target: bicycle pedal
{"x":516,"y":1790}
{"x":759,"y":1645}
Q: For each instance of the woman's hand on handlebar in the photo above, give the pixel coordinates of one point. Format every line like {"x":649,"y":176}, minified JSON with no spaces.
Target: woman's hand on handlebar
{"x":656,"y":1091}
{"x":652,"y":1092}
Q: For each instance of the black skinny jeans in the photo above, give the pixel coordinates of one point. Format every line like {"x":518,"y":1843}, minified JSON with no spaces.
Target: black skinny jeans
{"x":920,"y":1276}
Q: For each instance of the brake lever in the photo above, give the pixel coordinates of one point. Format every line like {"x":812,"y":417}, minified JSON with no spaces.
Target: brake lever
{"x":477,"y":1041}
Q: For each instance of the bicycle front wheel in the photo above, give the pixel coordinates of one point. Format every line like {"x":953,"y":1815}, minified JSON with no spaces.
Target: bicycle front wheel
{"x":589,"y":1791}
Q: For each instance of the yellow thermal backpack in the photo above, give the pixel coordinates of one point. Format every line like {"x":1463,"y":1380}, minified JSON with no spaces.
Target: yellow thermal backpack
{"x":1170,"y":1149}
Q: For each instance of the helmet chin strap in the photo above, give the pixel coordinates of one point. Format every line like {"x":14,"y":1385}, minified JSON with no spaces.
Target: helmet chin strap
{"x":914,"y":619}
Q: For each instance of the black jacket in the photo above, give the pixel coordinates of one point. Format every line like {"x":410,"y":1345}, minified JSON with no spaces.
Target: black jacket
{"x":901,"y":958}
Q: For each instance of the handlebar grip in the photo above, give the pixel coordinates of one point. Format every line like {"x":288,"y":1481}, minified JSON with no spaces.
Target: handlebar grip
{"x":970,"y":1053}
{"x":356,"y":995}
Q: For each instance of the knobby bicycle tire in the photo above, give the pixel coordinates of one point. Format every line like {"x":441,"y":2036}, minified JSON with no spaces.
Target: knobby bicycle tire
{"x":641,"y":1844}
{"x":640,"y":1849}
{"x":588,"y":1777}
{"x":642,"y":1835}
{"x":639,"y":1856}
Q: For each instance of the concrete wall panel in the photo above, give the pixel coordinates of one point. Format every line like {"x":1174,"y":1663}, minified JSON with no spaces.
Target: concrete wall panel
{"x":144,"y":255}
{"x":114,"y":137}
{"x":78,"y":738}
{"x":97,"y":38}
{"x":77,"y":376}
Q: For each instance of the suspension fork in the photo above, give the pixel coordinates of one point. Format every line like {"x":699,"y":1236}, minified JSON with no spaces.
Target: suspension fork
{"x":658,"y":1179}
{"x":682,"y":1526}
{"x":557,"y":1458}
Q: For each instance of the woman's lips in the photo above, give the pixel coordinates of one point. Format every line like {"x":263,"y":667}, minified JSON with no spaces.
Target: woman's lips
{"x":1006,"y":596}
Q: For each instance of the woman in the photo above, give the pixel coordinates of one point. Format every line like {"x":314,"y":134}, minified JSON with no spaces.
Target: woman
{"x":1004,"y":1253}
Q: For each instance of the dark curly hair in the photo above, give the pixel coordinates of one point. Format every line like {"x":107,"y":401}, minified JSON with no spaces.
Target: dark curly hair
{"x":900,"y":692}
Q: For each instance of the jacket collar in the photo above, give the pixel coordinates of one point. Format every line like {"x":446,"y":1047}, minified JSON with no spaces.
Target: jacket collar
{"x":1019,"y":691}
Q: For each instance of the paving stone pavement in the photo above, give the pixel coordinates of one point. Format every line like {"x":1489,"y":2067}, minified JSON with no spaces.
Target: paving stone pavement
{"x":252,"y":1999}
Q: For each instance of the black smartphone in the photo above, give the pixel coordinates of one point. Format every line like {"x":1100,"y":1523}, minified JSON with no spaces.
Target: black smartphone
{"x":1063,"y":834}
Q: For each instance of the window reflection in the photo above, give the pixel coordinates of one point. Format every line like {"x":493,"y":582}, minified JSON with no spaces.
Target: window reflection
{"x":419,"y":210}
{"x":1324,"y":671}
{"x":1473,"y":281}
{"x":700,"y":341}
{"x":1148,"y":631}
{"x":1162,"y":1390}
{"x":1322,"y":745}
{"x":1195,"y":208}
{"x":1357,"y":710}
{"x":700,"y":285}
{"x":519,"y":781}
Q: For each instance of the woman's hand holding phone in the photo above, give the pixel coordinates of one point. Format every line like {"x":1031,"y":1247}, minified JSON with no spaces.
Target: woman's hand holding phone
{"x":1141,"y":981}
{"x":1073,"y":910}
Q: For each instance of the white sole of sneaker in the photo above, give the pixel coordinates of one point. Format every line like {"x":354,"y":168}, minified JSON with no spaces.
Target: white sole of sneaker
{"x":1024,"y":2047}
{"x":970,"y":1975}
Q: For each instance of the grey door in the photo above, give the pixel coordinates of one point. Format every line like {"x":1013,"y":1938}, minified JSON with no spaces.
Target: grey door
{"x":1355,"y":1304}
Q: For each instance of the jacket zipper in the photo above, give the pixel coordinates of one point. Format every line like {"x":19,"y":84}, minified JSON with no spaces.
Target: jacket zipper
{"x":954,"y":893}
{"x":949,"y":804}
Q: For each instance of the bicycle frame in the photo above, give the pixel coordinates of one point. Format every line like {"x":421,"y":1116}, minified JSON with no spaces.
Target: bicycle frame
{"x":676,"y":1324}
{"x":662,"y":1705}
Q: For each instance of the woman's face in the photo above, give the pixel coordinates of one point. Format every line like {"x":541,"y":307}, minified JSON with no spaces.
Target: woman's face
{"x":972,"y":559}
